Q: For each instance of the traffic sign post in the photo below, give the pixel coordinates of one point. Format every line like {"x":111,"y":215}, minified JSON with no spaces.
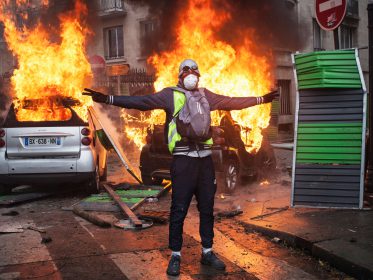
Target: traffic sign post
{"x":330,"y":14}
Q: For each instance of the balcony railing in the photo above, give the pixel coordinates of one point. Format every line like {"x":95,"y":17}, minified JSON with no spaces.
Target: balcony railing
{"x":109,"y":8}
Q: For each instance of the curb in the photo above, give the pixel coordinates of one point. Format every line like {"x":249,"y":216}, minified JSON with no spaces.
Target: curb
{"x":353,"y":269}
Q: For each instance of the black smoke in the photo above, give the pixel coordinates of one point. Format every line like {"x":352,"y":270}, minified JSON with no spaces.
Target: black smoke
{"x":274,"y":22}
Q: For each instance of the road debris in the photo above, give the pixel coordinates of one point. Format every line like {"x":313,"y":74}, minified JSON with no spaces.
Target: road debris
{"x":13,"y":199}
{"x":128,"y":224}
{"x":270,"y":214}
{"x":36,"y":229}
{"x":11,"y":228}
{"x":125,"y":209}
{"x":276,"y":240}
{"x":46,"y":239}
{"x":10,"y":213}
{"x":91,"y":217}
{"x":228,"y":214}
{"x":158,"y":217}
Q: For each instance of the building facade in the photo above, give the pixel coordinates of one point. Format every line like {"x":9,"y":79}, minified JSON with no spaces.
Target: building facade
{"x":125,"y":33}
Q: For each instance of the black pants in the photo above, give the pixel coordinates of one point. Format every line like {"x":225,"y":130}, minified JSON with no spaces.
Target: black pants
{"x":192,"y":176}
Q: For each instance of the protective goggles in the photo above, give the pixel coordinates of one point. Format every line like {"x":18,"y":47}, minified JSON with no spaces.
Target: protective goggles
{"x":189,"y":69}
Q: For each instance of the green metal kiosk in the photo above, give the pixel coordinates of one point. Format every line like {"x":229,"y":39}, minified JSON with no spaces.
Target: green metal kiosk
{"x":330,"y":126}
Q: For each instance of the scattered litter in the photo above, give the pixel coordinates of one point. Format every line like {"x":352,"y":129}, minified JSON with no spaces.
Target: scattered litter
{"x":353,"y":240}
{"x":151,"y":199}
{"x":276,"y":239}
{"x":91,"y":217}
{"x":9,"y":200}
{"x":10,"y":213}
{"x":271,"y":213}
{"x":351,"y":230}
{"x":229,"y":214}
{"x":158,"y":217}
{"x":222,"y":196}
{"x":46,"y":239}
{"x":36,"y":229}
{"x":127,"y":224}
{"x":253,"y":200}
{"x":10,"y":228}
{"x":264,"y":183}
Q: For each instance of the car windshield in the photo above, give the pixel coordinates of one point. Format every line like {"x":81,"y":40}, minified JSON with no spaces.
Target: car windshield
{"x":30,"y":114}
{"x":41,"y":110}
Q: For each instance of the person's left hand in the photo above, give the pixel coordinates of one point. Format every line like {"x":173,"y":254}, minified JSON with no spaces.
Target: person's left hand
{"x":267,"y":98}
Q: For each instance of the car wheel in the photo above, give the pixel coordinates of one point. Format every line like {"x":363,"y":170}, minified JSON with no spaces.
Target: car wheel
{"x":229,"y":177}
{"x":5,"y":189}
{"x":93,"y":185}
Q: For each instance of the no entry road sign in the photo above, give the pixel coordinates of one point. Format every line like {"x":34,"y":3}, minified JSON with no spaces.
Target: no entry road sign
{"x":330,"y":13}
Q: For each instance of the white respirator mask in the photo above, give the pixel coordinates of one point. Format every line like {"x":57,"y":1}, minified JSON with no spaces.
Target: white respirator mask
{"x":190,"y":82}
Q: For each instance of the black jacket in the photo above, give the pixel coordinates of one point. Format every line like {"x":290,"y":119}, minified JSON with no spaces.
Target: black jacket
{"x":164,"y":99}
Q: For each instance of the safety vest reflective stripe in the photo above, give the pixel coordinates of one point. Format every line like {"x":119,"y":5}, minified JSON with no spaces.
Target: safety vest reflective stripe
{"x":173,"y":135}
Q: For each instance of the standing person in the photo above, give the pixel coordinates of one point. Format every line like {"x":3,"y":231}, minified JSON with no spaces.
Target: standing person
{"x":188,"y":134}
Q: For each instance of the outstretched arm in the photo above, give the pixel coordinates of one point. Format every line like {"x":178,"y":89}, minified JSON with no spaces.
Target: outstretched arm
{"x":227,"y":103}
{"x":159,"y":100}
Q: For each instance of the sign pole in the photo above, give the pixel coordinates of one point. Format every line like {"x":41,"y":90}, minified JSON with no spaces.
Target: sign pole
{"x":369,"y":174}
{"x":336,"y":38}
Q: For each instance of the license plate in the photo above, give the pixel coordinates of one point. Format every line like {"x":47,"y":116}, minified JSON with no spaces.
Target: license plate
{"x":42,"y":141}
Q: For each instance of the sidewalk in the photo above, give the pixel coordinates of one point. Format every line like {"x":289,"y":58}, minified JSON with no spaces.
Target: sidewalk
{"x":343,"y":238}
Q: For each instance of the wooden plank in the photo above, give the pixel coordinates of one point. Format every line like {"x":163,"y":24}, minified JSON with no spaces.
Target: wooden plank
{"x":335,"y":104}
{"x":331,"y":111}
{"x":331,"y":124}
{"x":329,"y":150}
{"x":327,"y":192}
{"x":117,"y":147}
{"x":328,"y":161}
{"x":333,"y":92}
{"x":327,"y":171}
{"x":340,"y":136}
{"x":330,"y":130}
{"x":329,"y":98}
{"x":126,"y":210}
{"x":327,"y":204}
{"x":328,"y":118}
{"x":327,"y":178}
{"x":326,"y":199}
{"x":318,"y":166}
{"x":328,"y":185}
{"x":329,"y":156}
{"x":328,"y":143}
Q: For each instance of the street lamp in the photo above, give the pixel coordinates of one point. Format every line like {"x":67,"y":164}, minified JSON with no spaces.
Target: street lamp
{"x":369,"y":176}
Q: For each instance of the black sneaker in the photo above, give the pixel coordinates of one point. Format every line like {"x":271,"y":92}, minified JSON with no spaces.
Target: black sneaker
{"x":212,"y":260}
{"x":173,"y":268}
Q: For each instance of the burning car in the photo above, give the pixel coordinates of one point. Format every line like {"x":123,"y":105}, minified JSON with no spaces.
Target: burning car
{"x":58,"y":148}
{"x":232,"y":162}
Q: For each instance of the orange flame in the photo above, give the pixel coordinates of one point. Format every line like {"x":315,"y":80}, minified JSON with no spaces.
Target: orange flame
{"x":225,"y":69}
{"x":48,"y":72}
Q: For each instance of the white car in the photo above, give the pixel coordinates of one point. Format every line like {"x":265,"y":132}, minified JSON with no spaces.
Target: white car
{"x":51,"y":152}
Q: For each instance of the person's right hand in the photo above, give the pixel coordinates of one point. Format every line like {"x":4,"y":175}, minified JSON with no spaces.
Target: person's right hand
{"x":267,"y":98}
{"x":96,"y":96}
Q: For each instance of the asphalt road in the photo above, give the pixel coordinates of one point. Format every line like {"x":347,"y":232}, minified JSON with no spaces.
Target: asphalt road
{"x":72,"y":248}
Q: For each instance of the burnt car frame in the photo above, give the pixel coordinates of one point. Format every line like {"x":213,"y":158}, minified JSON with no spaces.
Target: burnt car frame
{"x":51,"y":152}
{"x":233,"y":164}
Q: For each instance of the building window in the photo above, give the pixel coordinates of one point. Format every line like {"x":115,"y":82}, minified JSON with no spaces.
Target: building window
{"x":352,"y":8}
{"x":317,"y":36}
{"x":148,"y":33}
{"x":114,"y":44}
{"x":347,"y":36}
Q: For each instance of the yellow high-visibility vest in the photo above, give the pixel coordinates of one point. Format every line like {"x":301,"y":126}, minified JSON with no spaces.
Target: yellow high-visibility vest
{"x":173,"y":135}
